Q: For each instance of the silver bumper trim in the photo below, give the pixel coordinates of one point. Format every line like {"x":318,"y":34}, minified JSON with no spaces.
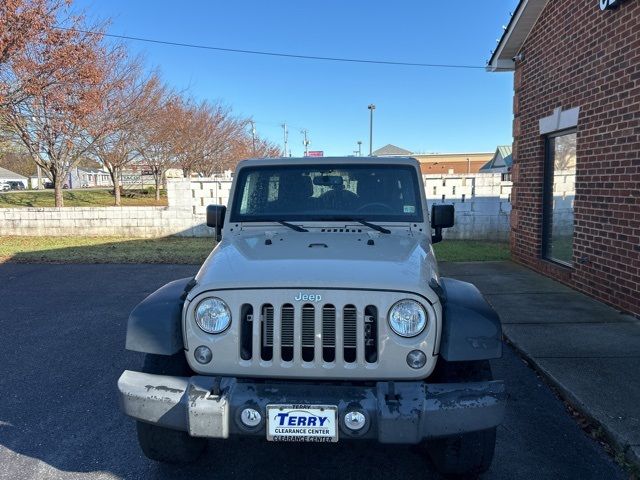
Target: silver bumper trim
{"x":397,"y":412}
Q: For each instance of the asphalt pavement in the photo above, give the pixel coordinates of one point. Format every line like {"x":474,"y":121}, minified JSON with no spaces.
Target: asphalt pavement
{"x":62,"y":331}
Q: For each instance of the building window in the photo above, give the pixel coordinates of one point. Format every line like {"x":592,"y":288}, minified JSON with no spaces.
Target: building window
{"x":559,"y":195}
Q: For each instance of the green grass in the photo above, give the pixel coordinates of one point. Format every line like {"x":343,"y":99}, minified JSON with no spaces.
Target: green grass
{"x":181,"y":250}
{"x":471,"y":251}
{"x":78,"y":198}
{"x":104,"y":250}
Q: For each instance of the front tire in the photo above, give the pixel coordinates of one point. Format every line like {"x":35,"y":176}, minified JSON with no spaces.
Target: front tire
{"x":164,"y":444}
{"x":467,"y":454}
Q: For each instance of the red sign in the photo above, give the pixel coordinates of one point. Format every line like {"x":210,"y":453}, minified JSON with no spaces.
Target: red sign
{"x":315,"y":153}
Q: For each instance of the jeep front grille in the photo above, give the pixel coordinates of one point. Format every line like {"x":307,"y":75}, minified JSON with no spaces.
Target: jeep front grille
{"x":310,"y":333}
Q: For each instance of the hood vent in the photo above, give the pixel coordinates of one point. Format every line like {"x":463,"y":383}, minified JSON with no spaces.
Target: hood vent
{"x":341,"y":230}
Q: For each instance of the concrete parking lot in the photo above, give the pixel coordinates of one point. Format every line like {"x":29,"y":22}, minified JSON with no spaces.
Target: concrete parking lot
{"x":62,"y":350}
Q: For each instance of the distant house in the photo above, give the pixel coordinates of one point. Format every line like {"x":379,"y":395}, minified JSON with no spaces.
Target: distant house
{"x":81,"y":177}
{"x":391,"y":151}
{"x":9,"y":176}
{"x":501,"y":161}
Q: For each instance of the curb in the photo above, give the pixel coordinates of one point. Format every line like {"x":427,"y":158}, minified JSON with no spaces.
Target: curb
{"x":631,"y":454}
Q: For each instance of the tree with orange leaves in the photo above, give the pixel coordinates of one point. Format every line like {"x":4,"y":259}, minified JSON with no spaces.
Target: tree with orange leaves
{"x":23,"y":22}
{"x":52,"y":86}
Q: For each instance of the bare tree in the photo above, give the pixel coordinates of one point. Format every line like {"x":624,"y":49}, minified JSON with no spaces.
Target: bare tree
{"x":242,"y":147}
{"x":186,"y":133}
{"x":156,"y":140}
{"x":266,"y":149}
{"x":120,"y":118}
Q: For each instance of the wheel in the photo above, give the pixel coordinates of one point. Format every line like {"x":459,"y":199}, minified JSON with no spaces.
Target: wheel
{"x":467,"y":454}
{"x":164,"y":444}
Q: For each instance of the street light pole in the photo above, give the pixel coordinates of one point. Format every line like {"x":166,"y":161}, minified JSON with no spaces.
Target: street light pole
{"x":359,"y":148}
{"x":371,"y":108}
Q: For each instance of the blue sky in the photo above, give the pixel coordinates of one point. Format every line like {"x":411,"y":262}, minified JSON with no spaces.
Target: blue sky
{"x":421,"y":109}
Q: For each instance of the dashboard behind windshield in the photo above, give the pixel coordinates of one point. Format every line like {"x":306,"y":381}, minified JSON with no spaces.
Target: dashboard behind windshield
{"x":384,"y":193}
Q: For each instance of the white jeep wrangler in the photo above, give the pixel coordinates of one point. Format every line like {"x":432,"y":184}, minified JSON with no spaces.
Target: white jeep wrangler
{"x":319,"y":317}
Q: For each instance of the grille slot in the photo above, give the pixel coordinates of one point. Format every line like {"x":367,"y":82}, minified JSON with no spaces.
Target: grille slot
{"x":371,"y":334}
{"x":286,"y":332}
{"x":350,"y":327}
{"x":266,"y":319}
{"x":329,"y":333}
{"x":308,"y":332}
{"x":246,"y":330}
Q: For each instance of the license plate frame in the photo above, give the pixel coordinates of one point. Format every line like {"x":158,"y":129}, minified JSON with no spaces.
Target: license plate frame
{"x":292,"y":426}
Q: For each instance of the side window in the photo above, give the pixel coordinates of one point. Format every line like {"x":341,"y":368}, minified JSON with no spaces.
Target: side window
{"x":274,"y":184}
{"x":255,"y":189}
{"x":559,"y":196}
{"x":249,"y":189}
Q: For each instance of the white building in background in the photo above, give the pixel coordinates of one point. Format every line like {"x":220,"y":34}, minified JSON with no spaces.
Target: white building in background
{"x":9,"y":176}
{"x":83,"y":177}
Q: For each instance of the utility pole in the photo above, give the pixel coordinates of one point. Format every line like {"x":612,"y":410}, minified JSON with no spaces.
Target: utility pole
{"x":359,"y":148}
{"x":371,"y":108}
{"x":253,"y":136}
{"x":306,"y":141}
{"x":286,"y":138}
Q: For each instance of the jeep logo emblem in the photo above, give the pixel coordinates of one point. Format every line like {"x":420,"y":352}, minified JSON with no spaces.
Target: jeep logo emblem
{"x":308,"y":297}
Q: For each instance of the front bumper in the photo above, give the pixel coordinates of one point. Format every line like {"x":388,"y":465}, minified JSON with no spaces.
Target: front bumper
{"x":396,"y":412}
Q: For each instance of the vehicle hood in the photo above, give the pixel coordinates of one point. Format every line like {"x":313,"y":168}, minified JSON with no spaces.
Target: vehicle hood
{"x":400,"y":261}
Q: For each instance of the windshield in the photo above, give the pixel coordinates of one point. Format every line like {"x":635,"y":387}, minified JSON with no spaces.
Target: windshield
{"x":327,"y":192}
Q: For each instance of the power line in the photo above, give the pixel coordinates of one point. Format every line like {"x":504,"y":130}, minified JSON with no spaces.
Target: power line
{"x":279,"y":54}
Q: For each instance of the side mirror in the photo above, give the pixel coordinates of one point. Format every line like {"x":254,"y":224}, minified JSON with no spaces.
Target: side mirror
{"x":215,"y":218}
{"x":442,"y":216}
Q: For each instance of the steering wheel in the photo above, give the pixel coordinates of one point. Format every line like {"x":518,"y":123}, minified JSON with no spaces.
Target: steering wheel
{"x":375,"y":204}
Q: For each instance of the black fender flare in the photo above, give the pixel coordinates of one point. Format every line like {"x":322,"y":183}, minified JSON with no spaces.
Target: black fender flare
{"x":155,"y":324}
{"x":471,"y":329}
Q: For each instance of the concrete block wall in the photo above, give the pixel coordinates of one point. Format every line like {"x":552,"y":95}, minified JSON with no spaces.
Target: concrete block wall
{"x":481,"y":201}
{"x":96,"y":221}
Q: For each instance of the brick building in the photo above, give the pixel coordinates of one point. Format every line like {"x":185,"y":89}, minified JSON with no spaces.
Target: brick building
{"x":440,"y":163}
{"x":448,"y":163}
{"x":576,"y":152}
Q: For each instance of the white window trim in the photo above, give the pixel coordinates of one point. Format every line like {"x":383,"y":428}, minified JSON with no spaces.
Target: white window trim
{"x":559,"y":120}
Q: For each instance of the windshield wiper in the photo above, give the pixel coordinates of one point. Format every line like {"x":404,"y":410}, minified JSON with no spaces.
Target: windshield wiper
{"x":297,"y":228}
{"x":373,"y":226}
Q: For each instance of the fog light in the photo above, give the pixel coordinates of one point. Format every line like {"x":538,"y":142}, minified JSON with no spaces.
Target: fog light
{"x":355,"y":420}
{"x":202,"y":354}
{"x":250,"y":417}
{"x":416,"y":359}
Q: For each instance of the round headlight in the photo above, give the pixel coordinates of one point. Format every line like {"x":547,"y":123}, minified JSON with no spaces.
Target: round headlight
{"x":407,"y":318}
{"x":213,"y":315}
